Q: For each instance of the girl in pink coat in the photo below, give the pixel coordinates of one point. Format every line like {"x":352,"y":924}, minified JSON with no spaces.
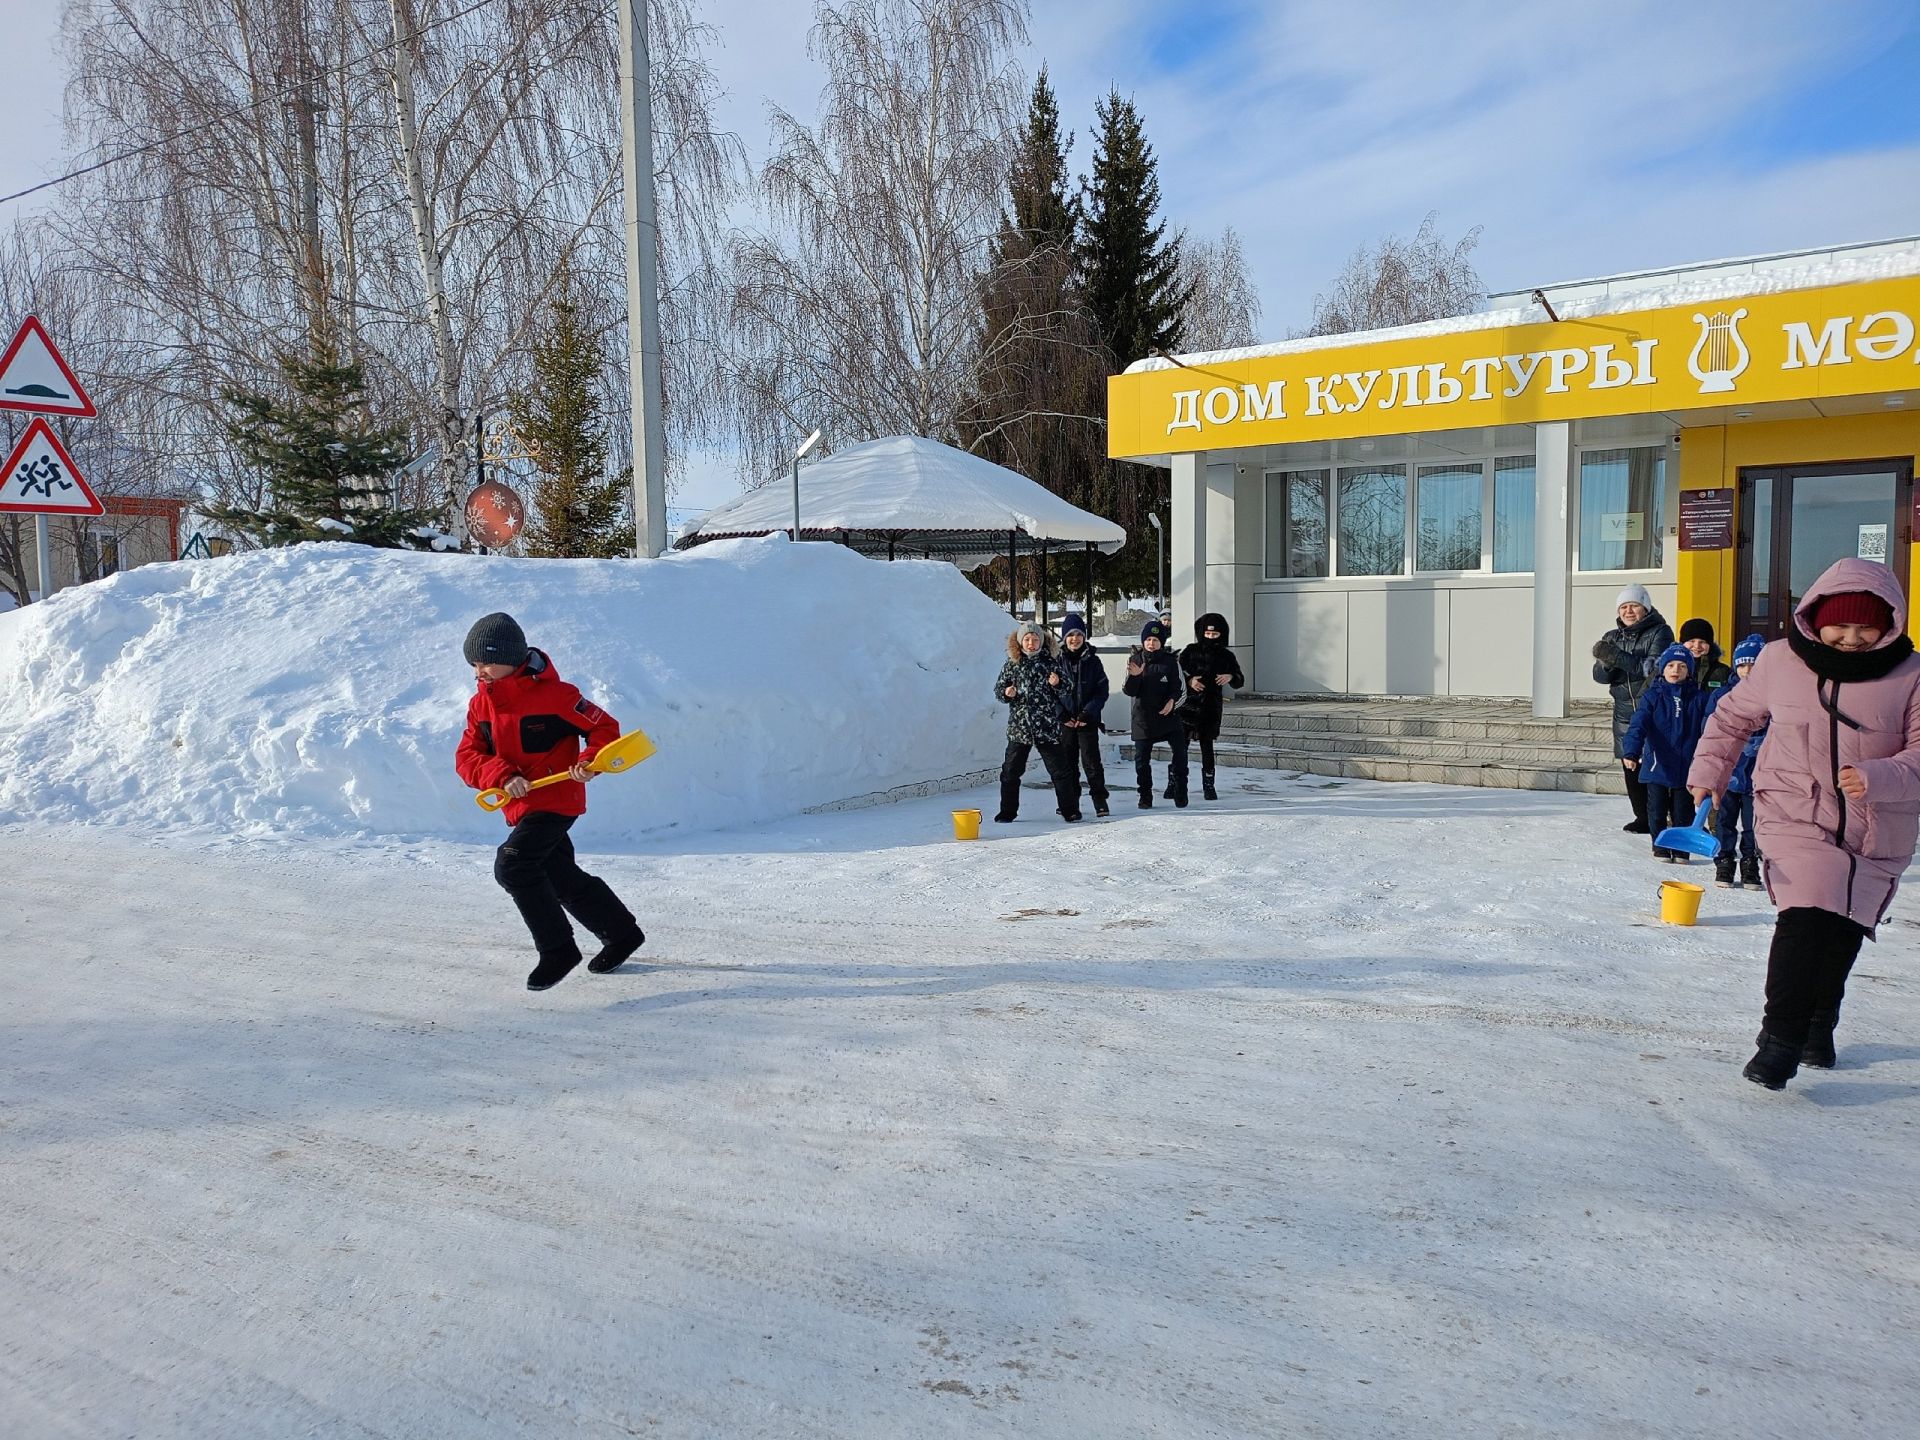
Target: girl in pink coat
{"x":1836,"y":795}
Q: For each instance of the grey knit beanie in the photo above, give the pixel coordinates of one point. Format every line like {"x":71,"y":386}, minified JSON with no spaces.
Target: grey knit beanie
{"x":496,"y":639}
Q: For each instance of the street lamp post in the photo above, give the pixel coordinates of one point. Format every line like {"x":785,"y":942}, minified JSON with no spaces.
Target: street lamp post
{"x":1159,"y":564}
{"x":798,"y":455}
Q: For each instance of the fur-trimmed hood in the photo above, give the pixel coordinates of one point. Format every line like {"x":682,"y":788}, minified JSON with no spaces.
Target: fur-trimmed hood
{"x":1048,"y":646}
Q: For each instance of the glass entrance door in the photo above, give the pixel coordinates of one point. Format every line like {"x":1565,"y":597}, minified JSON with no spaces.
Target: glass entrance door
{"x":1795,"y":521}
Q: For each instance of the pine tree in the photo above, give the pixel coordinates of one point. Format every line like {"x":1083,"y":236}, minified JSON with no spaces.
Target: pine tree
{"x":326,"y":470}
{"x":1130,"y":285}
{"x":577,"y":509}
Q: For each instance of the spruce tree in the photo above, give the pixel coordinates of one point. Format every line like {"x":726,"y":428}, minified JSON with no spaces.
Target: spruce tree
{"x":1129,"y":268}
{"x":326,"y":470}
{"x":1041,"y":382}
{"x":577,"y":509}
{"x":1130,"y":284}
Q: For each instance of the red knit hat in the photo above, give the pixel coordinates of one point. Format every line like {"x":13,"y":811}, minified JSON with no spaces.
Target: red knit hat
{"x":1853,"y":607}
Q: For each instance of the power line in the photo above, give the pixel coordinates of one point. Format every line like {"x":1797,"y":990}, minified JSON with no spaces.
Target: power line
{"x":266,"y":99}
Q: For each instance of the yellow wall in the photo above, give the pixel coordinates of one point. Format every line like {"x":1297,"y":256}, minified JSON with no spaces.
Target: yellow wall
{"x":1712,"y":456}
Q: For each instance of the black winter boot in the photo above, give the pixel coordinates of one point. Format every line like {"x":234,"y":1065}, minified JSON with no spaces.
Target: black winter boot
{"x":1206,"y":785}
{"x":1146,"y":799}
{"x":1774,"y":1063}
{"x":615,"y":952}
{"x":1723,"y":870}
{"x":1818,"y":1051}
{"x":551,"y":970}
{"x":1750,"y":872}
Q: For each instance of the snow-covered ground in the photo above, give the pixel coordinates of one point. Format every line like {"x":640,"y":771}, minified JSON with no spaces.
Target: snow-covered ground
{"x":1330,"y":1110}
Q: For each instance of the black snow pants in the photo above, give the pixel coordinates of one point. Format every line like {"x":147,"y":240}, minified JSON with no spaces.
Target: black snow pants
{"x":1176,"y":744}
{"x":536,"y":867}
{"x":1807,"y":968}
{"x":1059,"y":762}
{"x":1082,"y":746}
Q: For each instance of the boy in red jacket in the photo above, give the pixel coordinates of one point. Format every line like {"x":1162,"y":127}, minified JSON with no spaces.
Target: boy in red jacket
{"x":523,"y":724}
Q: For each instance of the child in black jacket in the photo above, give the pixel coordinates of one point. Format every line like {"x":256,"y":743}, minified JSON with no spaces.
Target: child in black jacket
{"x":1153,"y":680}
{"x":1083,"y":696}
{"x":1210,"y":668}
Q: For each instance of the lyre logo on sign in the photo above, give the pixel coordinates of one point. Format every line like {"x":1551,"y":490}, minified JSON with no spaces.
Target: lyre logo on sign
{"x":1725,"y":352}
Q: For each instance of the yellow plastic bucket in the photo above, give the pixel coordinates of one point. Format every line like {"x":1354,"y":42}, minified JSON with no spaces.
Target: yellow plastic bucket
{"x":966,"y":824}
{"x":1680,"y":902}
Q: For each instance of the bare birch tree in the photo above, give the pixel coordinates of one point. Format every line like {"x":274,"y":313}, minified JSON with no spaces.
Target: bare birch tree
{"x":1223,"y":304}
{"x":1401,"y":281}
{"x":857,"y":308}
{"x":410,"y":175}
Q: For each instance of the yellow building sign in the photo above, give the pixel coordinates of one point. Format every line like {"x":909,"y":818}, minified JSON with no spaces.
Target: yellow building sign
{"x":1856,"y":339}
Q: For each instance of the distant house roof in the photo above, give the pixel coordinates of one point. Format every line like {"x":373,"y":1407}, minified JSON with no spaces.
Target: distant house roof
{"x":910,"y":496}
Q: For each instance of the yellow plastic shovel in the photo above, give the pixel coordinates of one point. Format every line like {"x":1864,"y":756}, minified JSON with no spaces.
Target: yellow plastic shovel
{"x":616,"y":755}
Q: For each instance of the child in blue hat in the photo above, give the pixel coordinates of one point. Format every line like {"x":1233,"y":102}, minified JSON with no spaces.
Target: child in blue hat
{"x":1734,"y":824}
{"x":1660,"y":740}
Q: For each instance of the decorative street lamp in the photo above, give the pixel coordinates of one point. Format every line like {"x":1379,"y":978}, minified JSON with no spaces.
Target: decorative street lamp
{"x":798,"y":455}
{"x":1159,"y":565}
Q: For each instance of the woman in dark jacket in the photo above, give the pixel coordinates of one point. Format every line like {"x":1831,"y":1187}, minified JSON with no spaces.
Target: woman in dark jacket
{"x":1210,"y":667}
{"x":1623,"y":662}
{"x":1153,"y":680}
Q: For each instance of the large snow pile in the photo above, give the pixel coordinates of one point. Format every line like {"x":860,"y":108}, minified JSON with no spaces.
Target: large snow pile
{"x":320,"y":690}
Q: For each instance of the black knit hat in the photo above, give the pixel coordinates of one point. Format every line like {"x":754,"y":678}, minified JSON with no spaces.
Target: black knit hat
{"x":496,"y":639}
{"x":1697,"y":629}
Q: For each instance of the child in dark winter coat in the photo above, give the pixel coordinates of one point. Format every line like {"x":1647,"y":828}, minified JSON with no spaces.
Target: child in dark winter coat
{"x":525,"y":723}
{"x":1836,"y":795}
{"x":1733,"y":825}
{"x":1083,"y":696}
{"x":1029,"y":686}
{"x":1710,"y":672}
{"x":1659,"y":743}
{"x":1153,"y":680}
{"x":1210,"y":668}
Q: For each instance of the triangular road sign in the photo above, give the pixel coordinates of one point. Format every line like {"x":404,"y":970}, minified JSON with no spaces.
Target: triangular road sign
{"x":40,"y":478}
{"x":33,"y":376}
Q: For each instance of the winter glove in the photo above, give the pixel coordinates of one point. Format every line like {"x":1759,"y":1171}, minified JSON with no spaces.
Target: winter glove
{"x":1604,"y":652}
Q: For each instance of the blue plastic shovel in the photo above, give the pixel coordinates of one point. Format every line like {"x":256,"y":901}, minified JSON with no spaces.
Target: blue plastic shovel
{"x":1694,"y":838}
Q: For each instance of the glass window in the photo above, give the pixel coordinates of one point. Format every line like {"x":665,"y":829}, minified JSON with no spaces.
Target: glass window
{"x":1447,"y":516}
{"x":1622,"y":507}
{"x":1296,"y":524}
{"x":1513,"y":491}
{"x":1373,"y":520}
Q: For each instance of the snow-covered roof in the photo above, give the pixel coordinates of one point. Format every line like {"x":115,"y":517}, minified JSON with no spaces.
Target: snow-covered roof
{"x":923,"y":496}
{"x":1721,"y":280}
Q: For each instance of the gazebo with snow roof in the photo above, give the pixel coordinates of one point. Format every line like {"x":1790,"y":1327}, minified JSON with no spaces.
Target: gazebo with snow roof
{"x":905,"y":496}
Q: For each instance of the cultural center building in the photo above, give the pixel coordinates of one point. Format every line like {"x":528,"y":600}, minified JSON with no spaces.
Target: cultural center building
{"x":1451,"y":508}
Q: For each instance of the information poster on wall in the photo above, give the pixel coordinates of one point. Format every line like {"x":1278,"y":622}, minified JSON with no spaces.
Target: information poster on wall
{"x":1706,"y":519}
{"x":1873,"y":543}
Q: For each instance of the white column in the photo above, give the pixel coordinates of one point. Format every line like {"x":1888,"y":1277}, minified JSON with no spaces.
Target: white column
{"x":1552,"y":566}
{"x":1187,"y":542}
{"x":1235,"y":509}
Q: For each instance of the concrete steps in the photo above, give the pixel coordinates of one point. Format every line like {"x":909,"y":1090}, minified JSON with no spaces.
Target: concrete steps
{"x":1438,"y":741}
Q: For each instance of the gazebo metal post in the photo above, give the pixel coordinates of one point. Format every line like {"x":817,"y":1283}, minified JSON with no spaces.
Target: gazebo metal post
{"x":1013,"y":573}
{"x":890,"y":540}
{"x":1091,"y":550}
{"x":1041,"y":612}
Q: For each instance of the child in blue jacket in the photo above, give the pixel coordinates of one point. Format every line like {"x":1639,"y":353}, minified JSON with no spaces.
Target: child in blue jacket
{"x":1659,"y":743}
{"x":1734,"y":824}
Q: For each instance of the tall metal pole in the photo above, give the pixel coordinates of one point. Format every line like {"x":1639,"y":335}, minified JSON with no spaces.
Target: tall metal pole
{"x":43,"y":555}
{"x":643,"y":286}
{"x":796,"y":499}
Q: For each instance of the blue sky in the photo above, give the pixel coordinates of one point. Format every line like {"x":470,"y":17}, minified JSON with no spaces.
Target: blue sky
{"x":1586,"y":138}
